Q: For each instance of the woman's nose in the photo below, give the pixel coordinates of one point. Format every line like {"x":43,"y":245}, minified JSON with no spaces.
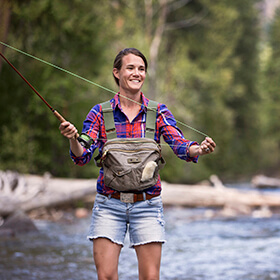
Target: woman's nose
{"x":136,"y":72}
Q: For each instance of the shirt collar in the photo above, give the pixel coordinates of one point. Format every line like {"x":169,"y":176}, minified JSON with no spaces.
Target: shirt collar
{"x":116,"y":102}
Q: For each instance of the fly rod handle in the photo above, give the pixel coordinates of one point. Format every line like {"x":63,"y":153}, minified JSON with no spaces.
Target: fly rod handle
{"x":58,"y":116}
{"x":61,"y":119}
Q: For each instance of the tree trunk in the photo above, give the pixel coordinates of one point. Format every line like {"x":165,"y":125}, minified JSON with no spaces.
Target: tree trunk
{"x":154,"y":49}
{"x":5,"y":14}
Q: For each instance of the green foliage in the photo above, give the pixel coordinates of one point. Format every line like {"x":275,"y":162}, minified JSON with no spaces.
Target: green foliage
{"x":207,"y":84}
{"x":213,"y":71}
{"x":270,"y":128}
{"x":62,"y":33}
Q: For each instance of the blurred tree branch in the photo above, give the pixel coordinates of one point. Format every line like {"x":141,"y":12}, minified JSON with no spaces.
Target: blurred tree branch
{"x":160,"y":16}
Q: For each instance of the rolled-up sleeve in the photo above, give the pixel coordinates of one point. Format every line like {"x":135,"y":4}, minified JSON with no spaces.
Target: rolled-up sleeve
{"x":84,"y":158}
{"x":173,"y":136}
{"x":91,"y":127}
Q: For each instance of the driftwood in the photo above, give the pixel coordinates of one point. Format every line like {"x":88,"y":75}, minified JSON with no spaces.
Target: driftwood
{"x":29,"y":192}
{"x":205,"y":196}
{"x":261,"y":181}
{"x":229,"y":202}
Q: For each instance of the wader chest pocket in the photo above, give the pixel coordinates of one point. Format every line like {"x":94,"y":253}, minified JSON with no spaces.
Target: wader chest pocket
{"x":124,"y":161}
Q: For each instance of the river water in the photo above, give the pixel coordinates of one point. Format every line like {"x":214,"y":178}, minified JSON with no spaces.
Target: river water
{"x":242,"y":248}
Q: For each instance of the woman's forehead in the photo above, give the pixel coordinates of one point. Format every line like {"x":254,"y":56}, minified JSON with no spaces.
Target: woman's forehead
{"x":132,"y":59}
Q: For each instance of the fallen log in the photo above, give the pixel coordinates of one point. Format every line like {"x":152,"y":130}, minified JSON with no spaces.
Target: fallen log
{"x":40,"y":191}
{"x":261,"y":181}
{"x":60,"y":191}
{"x":47,"y":192}
{"x":207,"y":196}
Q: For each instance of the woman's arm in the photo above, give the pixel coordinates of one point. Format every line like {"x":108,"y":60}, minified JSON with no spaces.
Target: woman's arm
{"x":183,"y":148}
{"x":69,"y":131}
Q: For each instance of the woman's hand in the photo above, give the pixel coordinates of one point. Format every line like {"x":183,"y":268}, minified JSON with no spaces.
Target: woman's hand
{"x":207,"y":146}
{"x":68,"y":130}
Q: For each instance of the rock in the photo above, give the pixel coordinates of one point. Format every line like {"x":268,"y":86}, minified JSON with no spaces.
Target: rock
{"x":81,"y":213}
{"x":235,"y":210}
{"x":18,"y":223}
{"x":263,"y":212}
{"x":7,"y":233}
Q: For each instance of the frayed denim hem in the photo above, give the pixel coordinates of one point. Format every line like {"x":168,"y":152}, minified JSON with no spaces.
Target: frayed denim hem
{"x":146,"y":242}
{"x":91,"y":238}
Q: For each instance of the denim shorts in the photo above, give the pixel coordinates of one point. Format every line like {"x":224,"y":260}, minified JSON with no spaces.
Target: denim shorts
{"x":112,"y":219}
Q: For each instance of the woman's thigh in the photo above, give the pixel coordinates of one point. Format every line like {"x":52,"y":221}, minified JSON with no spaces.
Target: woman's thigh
{"x":149,"y":258}
{"x":106,"y":257}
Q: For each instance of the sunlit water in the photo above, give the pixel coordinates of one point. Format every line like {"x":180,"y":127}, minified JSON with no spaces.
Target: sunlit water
{"x":217,"y":249}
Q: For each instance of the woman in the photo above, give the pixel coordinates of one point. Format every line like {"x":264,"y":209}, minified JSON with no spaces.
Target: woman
{"x":112,"y":218}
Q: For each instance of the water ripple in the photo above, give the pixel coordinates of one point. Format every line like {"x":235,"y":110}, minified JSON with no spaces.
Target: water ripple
{"x":197,"y":249}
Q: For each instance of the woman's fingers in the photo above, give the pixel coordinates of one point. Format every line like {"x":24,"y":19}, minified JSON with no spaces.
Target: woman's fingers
{"x":67,"y":129}
{"x":208,"y":145}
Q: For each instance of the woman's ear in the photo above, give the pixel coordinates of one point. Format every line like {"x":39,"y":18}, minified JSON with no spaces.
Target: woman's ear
{"x":116,"y":73}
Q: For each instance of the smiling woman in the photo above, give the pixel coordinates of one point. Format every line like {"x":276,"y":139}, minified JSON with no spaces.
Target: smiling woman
{"x":130,"y":72}
{"x":133,"y":70}
{"x":131,"y":77}
{"x":135,"y":210}
{"x":119,"y":60}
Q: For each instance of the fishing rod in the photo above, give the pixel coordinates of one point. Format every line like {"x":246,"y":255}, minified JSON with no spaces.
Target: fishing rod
{"x":84,"y":140}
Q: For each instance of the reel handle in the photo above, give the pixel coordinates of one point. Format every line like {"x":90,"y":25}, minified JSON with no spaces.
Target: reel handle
{"x":85,"y":140}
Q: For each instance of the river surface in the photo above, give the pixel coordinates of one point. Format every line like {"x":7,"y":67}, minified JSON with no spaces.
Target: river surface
{"x":243,"y":248}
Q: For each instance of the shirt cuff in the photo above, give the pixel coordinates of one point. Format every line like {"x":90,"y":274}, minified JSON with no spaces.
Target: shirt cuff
{"x":79,"y":160}
{"x":189,"y":158}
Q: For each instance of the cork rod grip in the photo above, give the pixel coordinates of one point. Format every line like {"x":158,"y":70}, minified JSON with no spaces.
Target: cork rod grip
{"x":61,"y":119}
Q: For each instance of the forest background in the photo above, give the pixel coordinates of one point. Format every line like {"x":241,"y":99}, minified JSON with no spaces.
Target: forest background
{"x":215,"y":64}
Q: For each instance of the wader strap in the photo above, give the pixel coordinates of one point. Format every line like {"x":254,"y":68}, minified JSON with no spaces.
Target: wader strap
{"x":151,"y":118}
{"x":109,"y":120}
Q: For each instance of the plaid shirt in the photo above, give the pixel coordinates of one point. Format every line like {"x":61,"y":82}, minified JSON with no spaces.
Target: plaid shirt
{"x":165,"y":126}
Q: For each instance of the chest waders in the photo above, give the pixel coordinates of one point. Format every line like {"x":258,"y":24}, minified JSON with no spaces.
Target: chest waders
{"x":130,"y":164}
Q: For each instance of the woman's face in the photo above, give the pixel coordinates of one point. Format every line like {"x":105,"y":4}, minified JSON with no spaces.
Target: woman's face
{"x":132,"y":73}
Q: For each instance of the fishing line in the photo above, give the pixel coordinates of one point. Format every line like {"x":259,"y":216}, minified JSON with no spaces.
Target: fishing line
{"x":160,"y":144}
{"x":93,"y":83}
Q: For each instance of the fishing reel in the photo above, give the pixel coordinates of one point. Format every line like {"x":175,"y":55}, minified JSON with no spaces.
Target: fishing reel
{"x":85,"y":140}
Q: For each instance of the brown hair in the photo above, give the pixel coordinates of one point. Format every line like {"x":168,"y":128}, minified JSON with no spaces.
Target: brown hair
{"x":124,"y":52}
